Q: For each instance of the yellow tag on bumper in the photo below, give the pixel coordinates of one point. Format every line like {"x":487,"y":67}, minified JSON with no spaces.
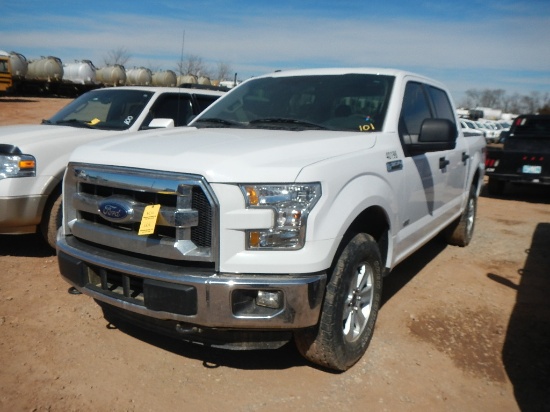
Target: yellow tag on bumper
{"x":149,"y":220}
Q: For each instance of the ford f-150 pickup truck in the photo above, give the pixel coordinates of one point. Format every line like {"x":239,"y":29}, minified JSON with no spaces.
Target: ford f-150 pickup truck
{"x":275,"y":215}
{"x":523,"y":157}
{"x":33,"y":157}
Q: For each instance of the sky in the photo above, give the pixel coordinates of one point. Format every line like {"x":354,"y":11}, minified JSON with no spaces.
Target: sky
{"x":467,"y":44}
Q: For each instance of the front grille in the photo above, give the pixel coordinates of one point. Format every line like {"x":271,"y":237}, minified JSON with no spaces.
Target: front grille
{"x":186,"y":224}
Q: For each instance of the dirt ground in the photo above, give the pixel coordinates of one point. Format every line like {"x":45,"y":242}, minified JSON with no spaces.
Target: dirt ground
{"x":461,"y":329}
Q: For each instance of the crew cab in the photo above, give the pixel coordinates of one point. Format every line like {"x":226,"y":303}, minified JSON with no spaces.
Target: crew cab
{"x":523,"y":157}
{"x":33,"y":157}
{"x":276,"y":214}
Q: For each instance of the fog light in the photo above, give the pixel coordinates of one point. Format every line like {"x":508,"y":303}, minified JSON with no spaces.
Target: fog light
{"x":269,"y":299}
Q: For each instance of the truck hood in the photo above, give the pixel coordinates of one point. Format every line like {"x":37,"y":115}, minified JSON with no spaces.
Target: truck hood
{"x":27,"y":137}
{"x":226,"y":155}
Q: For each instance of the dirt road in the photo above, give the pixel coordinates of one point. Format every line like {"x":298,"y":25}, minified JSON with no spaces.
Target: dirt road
{"x":461,"y":329}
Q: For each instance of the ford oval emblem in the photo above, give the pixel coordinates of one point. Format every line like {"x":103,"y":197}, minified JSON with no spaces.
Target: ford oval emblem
{"x":116,"y":210}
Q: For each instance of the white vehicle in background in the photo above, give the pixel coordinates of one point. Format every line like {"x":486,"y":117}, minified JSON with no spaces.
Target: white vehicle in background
{"x":33,"y":157}
{"x":469,"y":128}
{"x":491,"y":134}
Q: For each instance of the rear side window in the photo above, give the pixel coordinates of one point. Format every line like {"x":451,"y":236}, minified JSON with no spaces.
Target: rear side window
{"x":203,"y":101}
{"x":174,"y":106}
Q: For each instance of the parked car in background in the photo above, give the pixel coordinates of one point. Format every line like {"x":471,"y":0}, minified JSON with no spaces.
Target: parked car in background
{"x":469,"y":128}
{"x":491,"y":134}
{"x":33,"y":157}
{"x":524,"y":156}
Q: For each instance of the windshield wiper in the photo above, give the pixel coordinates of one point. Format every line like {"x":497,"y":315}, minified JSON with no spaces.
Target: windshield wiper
{"x":285,"y":121}
{"x":75,"y":123}
{"x":217,"y":122}
{"x":45,"y":121}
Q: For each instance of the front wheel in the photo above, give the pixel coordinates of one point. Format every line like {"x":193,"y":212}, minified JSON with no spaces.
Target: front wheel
{"x":350,"y":308}
{"x":51,"y":220}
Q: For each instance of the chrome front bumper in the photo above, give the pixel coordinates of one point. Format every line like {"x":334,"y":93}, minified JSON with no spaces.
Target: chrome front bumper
{"x":194,"y":295}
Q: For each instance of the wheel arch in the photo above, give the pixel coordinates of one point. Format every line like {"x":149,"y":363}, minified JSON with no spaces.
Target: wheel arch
{"x":375,"y":222}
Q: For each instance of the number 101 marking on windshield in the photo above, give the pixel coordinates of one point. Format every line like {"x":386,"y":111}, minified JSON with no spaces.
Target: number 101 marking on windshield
{"x":366,"y":127}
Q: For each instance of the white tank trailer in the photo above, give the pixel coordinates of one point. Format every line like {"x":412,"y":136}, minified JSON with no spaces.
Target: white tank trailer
{"x":165,"y":78}
{"x":186,"y":79}
{"x":139,"y":76}
{"x":80,"y":72}
{"x":114,"y":75}
{"x":48,"y":69}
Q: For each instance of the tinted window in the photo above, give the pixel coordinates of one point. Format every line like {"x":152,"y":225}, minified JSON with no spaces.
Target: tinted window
{"x":415,"y":110}
{"x":172,"y":106}
{"x":442,"y":105}
{"x":203,"y":101}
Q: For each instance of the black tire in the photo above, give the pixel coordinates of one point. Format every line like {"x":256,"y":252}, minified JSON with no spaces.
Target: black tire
{"x":496,"y":187}
{"x":51,"y":220}
{"x":350,"y":308}
{"x":461,"y":231}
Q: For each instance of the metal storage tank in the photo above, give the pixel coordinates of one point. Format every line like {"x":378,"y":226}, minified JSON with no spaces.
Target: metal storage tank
{"x":204,"y":80}
{"x":19,"y":65}
{"x":46,"y":68}
{"x":111,"y":75}
{"x":139,"y":76}
{"x":79,"y":72}
{"x":187,"y":79}
{"x":165,"y":78}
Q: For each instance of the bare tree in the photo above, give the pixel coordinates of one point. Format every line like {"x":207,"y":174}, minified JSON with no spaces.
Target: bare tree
{"x":531,"y":103}
{"x":497,"y":99}
{"x":492,"y":98}
{"x":472,"y":99}
{"x":119,"y":55}
{"x":193,"y":65}
{"x":224,"y":71}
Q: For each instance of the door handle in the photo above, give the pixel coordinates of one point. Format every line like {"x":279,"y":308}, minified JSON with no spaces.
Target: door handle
{"x":443,"y":163}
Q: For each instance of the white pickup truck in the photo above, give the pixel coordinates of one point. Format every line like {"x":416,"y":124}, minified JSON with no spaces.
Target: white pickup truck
{"x":276,"y":216}
{"x":33,"y":157}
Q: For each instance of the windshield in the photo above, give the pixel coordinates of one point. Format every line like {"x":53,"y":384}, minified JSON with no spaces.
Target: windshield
{"x":349,"y":102}
{"x":108,"y":109}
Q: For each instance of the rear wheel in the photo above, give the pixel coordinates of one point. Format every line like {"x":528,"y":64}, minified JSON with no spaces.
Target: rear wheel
{"x":350,"y":308}
{"x":461,"y":231}
{"x":51,"y":220}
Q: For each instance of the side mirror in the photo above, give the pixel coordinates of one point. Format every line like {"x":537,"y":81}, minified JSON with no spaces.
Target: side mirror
{"x":435,"y":135}
{"x":161,"y":123}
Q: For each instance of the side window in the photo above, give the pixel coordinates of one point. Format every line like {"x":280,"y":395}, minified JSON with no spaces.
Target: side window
{"x":171,"y":106}
{"x":415,"y":110}
{"x":442,"y":105}
{"x":203,"y":101}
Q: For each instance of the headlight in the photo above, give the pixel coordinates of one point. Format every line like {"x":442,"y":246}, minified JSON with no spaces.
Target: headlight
{"x":17,"y":166}
{"x":291,"y":205}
